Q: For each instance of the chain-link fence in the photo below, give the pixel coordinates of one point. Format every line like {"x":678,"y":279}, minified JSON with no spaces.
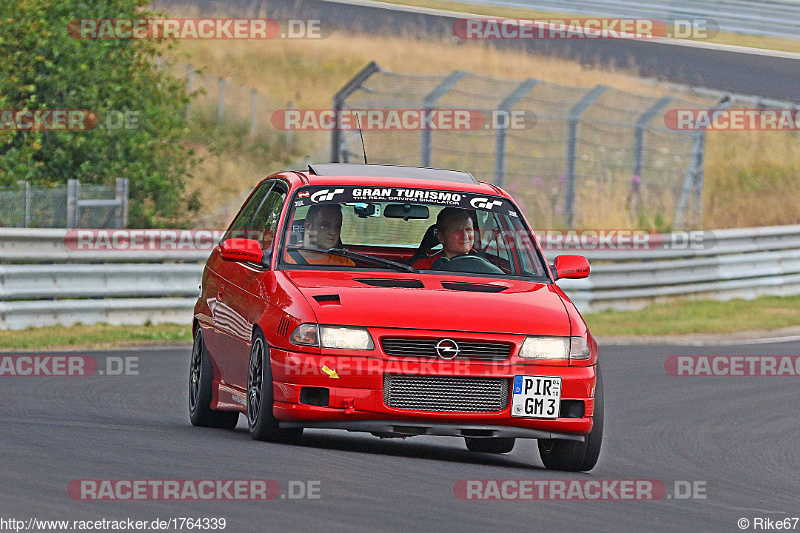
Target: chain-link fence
{"x":75,"y":206}
{"x":585,"y":156}
{"x":219,"y":101}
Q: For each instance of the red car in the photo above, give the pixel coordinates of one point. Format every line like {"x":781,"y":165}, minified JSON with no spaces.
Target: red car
{"x":398,"y":301}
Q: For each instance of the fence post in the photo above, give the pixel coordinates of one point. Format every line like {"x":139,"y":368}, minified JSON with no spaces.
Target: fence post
{"x":338,"y":103}
{"x":253,"y":112}
{"x":500,"y":148}
{"x":26,"y":214}
{"x":638,"y":136}
{"x":695,"y":168}
{"x":73,"y":193}
{"x":429,"y":102}
{"x":695,"y":173}
{"x":221,"y":102}
{"x":122,"y":197}
{"x":189,"y":87}
{"x":289,"y":132}
{"x":572,"y":147}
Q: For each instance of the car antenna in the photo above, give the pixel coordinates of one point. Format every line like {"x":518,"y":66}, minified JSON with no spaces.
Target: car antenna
{"x":360,"y":134}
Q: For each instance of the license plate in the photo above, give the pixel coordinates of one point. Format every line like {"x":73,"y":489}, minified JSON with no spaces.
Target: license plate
{"x":536,"y":396}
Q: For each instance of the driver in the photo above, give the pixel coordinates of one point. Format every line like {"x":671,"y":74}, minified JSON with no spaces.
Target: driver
{"x":323,"y":226}
{"x":455,"y":230}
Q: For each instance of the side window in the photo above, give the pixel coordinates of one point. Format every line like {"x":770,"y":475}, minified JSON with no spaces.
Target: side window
{"x":242,"y":226}
{"x":266,"y":220}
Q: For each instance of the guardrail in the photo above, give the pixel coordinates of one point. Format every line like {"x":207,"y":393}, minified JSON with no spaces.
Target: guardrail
{"x":724,"y":264}
{"x":778,"y":18}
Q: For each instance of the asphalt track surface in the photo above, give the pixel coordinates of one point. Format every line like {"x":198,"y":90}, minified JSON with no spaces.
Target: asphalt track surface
{"x":738,"y":70}
{"x":738,"y":434}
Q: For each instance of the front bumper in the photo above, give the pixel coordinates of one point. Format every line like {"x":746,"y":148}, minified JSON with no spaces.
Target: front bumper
{"x":355,"y":400}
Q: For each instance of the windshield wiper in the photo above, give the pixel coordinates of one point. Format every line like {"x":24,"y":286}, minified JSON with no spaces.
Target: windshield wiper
{"x":343,"y":252}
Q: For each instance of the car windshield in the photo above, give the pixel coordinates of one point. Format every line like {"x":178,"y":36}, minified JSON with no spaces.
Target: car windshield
{"x":414,"y":230}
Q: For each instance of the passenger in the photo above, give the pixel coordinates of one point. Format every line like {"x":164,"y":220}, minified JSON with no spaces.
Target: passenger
{"x":323,"y":226}
{"x":455,"y":230}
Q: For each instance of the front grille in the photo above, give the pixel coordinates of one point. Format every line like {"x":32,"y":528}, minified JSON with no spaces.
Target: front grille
{"x":482,"y":351}
{"x":445,"y":394}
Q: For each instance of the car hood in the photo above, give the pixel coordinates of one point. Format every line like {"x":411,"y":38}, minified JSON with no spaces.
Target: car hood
{"x":451,"y":303}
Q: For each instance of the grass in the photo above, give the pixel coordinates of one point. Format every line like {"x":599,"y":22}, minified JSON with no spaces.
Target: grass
{"x":675,"y":319}
{"x":308,"y":73}
{"x":698,"y":316}
{"x":98,"y":336}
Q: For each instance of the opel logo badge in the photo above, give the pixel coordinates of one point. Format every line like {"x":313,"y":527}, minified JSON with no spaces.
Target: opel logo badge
{"x":447,"y":349}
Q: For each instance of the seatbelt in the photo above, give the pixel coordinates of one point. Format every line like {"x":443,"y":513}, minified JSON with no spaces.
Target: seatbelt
{"x":298,"y":257}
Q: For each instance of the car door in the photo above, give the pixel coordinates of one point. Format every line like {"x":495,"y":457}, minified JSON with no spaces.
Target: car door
{"x":242,"y":301}
{"x":215,"y":284}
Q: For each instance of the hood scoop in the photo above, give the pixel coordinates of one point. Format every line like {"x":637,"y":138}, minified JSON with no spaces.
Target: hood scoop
{"x":396,"y":283}
{"x":472,"y":287}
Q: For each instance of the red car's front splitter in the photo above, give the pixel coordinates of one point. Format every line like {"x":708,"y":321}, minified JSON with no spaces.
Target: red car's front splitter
{"x":356,"y":402}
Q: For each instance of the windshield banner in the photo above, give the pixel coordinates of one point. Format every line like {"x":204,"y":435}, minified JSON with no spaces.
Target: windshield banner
{"x":464,"y":200}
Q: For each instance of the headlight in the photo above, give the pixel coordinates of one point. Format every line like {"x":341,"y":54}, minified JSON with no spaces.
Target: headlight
{"x":555,"y":348}
{"x":335,"y":337}
{"x":545,"y":348}
{"x":346,"y":338}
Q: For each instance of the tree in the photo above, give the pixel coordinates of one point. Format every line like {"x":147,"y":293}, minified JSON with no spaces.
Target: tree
{"x":43,"y":67}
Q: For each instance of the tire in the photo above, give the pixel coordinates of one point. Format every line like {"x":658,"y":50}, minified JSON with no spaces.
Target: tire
{"x":577,"y":456}
{"x":260,"y":420}
{"x":201,"y":377}
{"x":490,"y":445}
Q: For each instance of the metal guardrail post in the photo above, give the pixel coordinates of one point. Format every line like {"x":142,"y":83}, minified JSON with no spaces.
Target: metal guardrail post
{"x":428,"y":105}
{"x":338,"y":103}
{"x":73,"y":193}
{"x":189,"y":88}
{"x":221,"y":102}
{"x":505,"y":106}
{"x":572,"y":148}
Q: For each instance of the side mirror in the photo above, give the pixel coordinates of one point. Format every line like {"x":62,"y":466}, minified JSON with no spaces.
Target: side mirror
{"x":571,"y":266}
{"x":242,"y":250}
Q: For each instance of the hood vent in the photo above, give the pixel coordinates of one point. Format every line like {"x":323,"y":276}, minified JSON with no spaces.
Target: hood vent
{"x":472,"y":287}
{"x":283,"y":327}
{"x":396,"y":283}
{"x":329,"y":299}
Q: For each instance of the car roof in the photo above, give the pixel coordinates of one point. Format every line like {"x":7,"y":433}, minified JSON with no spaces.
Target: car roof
{"x":390,"y":171}
{"x":394,"y":175}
